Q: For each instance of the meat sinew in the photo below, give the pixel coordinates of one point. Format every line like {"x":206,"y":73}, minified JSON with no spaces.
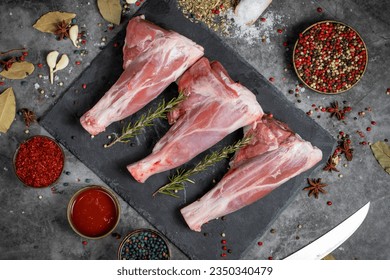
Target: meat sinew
{"x":274,"y":155}
{"x":215,"y":107}
{"x":153,"y":58}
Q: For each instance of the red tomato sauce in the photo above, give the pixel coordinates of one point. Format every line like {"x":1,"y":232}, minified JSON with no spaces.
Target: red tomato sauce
{"x":94,"y":212}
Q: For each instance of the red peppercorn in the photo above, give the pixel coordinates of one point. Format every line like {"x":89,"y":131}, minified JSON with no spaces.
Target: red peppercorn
{"x":21,"y":58}
{"x":137,"y":3}
{"x":1,"y":83}
{"x":260,"y":243}
{"x":285,"y":44}
{"x":223,"y":241}
{"x":78,"y":62}
{"x":263,"y":19}
{"x":83,"y":42}
{"x":84,"y":86}
{"x":368,"y":128}
{"x":341,"y":133}
{"x":280,"y":31}
{"x":116,"y":44}
{"x":25,"y":53}
{"x":270,"y":258}
{"x":329,"y":203}
{"x":373,"y":122}
{"x":84,"y":242}
{"x":223,"y":255}
{"x":40,"y":65}
{"x":319,"y":9}
{"x":271,"y":79}
{"x":224,"y":248}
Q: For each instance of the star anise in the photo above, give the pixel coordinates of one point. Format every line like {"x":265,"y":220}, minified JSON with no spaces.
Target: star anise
{"x":334,"y":110}
{"x":315,"y":187}
{"x":28,"y":116}
{"x":8,"y":64}
{"x":62,"y":30}
{"x":345,"y":148}
{"x":331,"y":164}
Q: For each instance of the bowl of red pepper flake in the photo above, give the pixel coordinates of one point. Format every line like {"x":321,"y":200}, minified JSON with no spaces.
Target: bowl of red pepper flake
{"x":330,"y":57}
{"x":39,"y":161}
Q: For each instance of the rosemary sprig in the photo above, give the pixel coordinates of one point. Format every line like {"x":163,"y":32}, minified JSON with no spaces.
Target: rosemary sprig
{"x":177,"y":182}
{"x":145,"y":120}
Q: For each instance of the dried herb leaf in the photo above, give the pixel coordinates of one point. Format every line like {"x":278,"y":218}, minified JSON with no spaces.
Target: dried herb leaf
{"x":19,"y":70}
{"x":48,"y":22}
{"x":111,"y":10}
{"x":381,"y":151}
{"x":7,"y":109}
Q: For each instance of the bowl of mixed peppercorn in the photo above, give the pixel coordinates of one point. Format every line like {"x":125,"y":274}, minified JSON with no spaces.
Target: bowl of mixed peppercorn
{"x":144,"y":244}
{"x":330,"y":57}
{"x":39,"y":161}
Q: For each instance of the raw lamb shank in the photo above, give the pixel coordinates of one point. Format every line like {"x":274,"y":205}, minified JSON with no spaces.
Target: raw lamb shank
{"x":215,"y":107}
{"x":274,"y":155}
{"x":153,"y":58}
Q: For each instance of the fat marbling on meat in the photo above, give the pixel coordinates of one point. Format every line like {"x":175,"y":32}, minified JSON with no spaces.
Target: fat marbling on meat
{"x":215,"y":106}
{"x":274,"y":155}
{"x":153,"y":58}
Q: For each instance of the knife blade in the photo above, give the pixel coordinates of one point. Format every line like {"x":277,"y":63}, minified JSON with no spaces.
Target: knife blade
{"x":328,"y":242}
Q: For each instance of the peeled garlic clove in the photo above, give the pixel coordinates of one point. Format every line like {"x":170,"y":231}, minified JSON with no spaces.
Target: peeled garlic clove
{"x":73,"y":34}
{"x":51,"y":60}
{"x":64,"y":61}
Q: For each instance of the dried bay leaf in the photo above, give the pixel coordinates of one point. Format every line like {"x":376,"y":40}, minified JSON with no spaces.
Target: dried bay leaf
{"x":111,"y":10}
{"x":18,"y":70}
{"x":7,"y":109}
{"x":48,"y":22}
{"x":381,"y":151}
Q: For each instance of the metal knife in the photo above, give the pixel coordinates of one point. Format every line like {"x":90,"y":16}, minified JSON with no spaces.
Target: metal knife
{"x":328,"y":242}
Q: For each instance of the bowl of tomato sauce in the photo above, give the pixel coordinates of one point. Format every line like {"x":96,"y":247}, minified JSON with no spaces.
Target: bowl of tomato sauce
{"x":93,"y":212}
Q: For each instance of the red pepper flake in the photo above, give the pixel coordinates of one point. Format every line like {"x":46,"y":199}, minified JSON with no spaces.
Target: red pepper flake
{"x":319,"y":9}
{"x":260,"y":243}
{"x":329,"y":203}
{"x":84,"y":86}
{"x":39,"y":162}
{"x":40,"y":65}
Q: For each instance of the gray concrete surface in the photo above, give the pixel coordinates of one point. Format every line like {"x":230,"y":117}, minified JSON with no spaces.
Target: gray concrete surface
{"x":34,"y":228}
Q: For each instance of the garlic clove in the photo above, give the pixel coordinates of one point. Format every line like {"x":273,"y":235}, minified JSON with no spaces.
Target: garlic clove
{"x":73,"y":34}
{"x":51,"y":60}
{"x":64,"y":61}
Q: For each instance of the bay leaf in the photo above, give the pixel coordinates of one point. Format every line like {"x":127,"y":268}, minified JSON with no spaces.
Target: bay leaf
{"x":7,"y":109}
{"x":48,"y":22}
{"x":381,"y":151}
{"x":111,"y":10}
{"x":18,"y":70}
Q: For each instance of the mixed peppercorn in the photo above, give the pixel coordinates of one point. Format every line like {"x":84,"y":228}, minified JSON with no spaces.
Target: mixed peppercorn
{"x":330,"y":57}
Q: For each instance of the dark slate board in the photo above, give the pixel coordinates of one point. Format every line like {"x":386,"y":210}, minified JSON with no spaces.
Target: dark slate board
{"x":241,"y":227}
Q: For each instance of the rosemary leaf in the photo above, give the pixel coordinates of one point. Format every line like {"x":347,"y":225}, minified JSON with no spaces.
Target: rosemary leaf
{"x":177,"y":182}
{"x":133,"y":129}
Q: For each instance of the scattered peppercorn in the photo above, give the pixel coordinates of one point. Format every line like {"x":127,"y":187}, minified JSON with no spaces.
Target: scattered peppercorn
{"x":319,"y":9}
